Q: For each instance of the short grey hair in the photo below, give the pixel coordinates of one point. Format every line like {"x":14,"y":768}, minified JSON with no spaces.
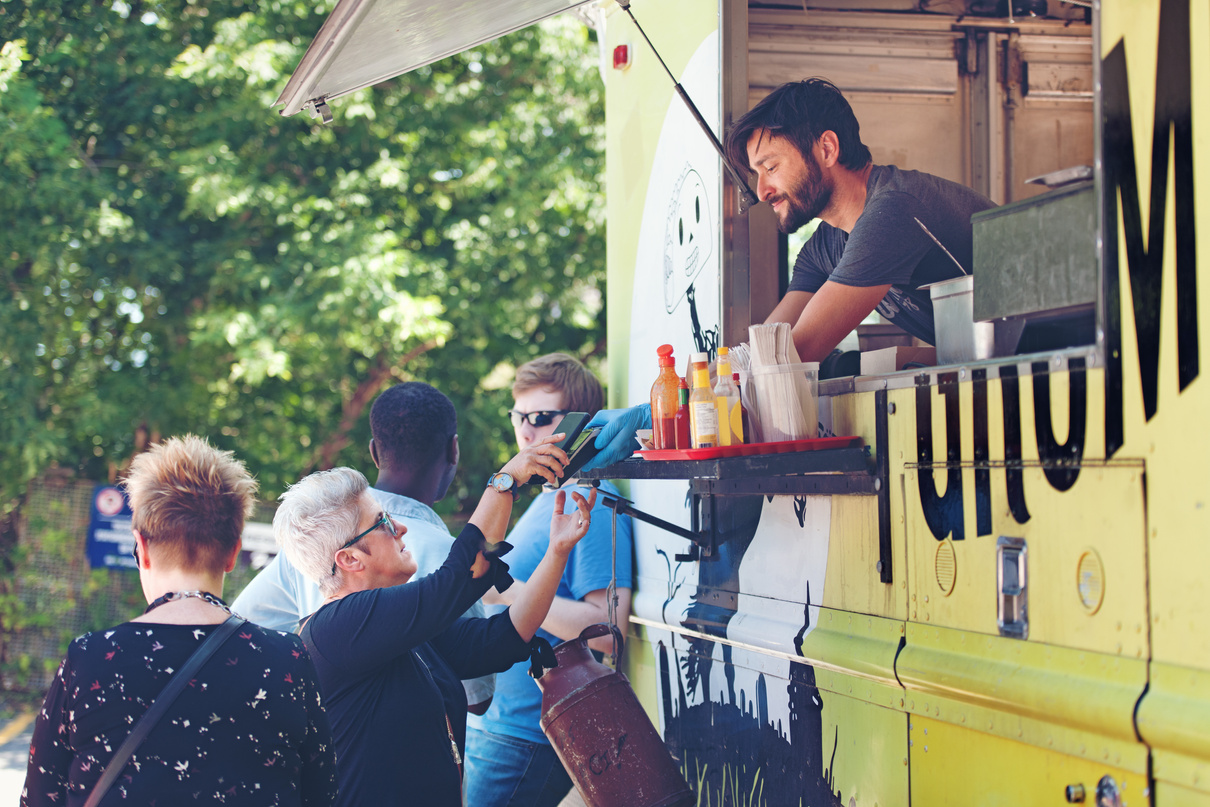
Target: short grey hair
{"x":318,"y":514}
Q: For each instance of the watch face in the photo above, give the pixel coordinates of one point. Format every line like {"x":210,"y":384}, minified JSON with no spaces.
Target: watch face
{"x":502,"y":481}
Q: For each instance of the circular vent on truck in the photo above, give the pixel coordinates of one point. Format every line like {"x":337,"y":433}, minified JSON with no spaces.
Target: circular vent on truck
{"x":946,"y":566}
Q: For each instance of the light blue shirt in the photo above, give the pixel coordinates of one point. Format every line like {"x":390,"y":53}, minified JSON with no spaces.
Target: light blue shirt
{"x":517,"y":707}
{"x":280,"y":595}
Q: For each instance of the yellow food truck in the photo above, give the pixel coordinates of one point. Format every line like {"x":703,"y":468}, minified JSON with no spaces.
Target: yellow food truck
{"x":998,"y":596}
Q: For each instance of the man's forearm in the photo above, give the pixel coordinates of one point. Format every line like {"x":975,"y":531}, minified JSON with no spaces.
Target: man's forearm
{"x":567,"y":617}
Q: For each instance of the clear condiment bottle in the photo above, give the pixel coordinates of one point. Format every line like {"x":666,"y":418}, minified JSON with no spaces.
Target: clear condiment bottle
{"x":745,"y":425}
{"x":683,"y":439}
{"x":703,"y":412}
{"x":664,"y":400}
{"x":726,"y":400}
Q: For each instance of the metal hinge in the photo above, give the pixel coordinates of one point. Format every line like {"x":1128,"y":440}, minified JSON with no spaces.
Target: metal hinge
{"x":319,"y":109}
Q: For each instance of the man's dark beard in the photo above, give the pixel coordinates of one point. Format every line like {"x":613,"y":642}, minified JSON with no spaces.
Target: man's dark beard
{"x":806,"y":200}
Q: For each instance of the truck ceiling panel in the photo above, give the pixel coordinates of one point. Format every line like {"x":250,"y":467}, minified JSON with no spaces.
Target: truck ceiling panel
{"x":364,"y":42}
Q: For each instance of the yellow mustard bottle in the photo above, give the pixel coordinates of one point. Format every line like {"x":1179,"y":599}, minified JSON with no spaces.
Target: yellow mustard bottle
{"x":726,"y":399}
{"x":703,"y":411}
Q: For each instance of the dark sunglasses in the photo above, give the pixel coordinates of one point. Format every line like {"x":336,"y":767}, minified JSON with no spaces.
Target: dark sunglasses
{"x":535,"y":419}
{"x":383,"y":521}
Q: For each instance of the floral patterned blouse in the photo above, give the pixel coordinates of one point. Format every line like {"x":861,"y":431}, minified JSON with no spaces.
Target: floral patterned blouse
{"x":248,"y":730}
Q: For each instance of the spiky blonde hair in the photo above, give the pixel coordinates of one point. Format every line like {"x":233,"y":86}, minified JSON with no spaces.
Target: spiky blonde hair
{"x":189,"y":501}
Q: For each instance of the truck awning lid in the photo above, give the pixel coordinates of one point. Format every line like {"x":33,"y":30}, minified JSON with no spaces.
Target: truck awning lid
{"x":364,"y":42}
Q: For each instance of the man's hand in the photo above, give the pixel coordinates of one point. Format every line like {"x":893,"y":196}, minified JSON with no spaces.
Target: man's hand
{"x":543,"y":458}
{"x":821,"y":319}
{"x":566,"y":529}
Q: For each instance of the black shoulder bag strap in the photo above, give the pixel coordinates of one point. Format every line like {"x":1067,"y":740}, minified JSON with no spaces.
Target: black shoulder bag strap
{"x":152,"y":716}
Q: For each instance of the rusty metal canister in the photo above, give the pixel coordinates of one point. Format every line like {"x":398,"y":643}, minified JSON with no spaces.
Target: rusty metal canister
{"x":602,"y":734}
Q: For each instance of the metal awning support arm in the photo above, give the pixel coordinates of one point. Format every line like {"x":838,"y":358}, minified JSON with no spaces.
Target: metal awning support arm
{"x":746,"y":196}
{"x":621,"y":506}
{"x":701,"y":536}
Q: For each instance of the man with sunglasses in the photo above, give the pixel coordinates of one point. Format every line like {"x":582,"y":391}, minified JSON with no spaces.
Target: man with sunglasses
{"x":414,"y":445}
{"x":508,"y":758}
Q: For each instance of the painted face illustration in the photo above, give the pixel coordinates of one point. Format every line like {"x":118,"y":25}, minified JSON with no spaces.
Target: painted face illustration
{"x":688,"y":237}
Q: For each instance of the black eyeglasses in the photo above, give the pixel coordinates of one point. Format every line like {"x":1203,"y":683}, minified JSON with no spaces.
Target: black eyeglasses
{"x":383,"y":521}
{"x":535,"y":419}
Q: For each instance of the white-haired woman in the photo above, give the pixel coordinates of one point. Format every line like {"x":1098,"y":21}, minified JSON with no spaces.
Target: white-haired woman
{"x":247,"y":727}
{"x":390,"y":652}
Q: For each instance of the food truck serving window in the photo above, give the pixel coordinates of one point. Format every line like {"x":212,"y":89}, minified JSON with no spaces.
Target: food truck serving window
{"x":364,"y":42}
{"x":1003,"y":107}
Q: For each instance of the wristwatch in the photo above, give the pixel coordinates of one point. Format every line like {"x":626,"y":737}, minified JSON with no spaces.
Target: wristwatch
{"x":504,"y":483}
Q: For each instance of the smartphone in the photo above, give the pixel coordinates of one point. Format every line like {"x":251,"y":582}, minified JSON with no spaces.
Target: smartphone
{"x":571,"y":425}
{"x":581,"y":451}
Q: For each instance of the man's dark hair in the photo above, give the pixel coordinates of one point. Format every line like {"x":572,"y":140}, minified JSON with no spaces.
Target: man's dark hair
{"x":412,"y":424}
{"x":801,"y":111}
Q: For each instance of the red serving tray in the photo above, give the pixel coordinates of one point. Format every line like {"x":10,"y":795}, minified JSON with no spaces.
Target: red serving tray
{"x":783,"y":447}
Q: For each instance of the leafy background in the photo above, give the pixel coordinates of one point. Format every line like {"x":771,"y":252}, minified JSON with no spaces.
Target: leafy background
{"x":177,"y":257}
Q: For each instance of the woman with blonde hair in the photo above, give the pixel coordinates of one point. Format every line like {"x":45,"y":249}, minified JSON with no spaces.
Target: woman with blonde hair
{"x":135,"y":717}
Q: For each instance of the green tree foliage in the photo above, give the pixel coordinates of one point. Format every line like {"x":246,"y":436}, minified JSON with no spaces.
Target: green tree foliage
{"x":178,"y":257}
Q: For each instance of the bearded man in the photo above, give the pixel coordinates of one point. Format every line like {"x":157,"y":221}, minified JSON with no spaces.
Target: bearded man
{"x":869,"y":251}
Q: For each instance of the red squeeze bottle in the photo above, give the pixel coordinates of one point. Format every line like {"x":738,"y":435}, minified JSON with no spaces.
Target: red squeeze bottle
{"x":664,"y":400}
{"x":682,"y":416}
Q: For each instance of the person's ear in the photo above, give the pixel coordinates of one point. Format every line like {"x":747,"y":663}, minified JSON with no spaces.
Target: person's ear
{"x":374,"y":454}
{"x":452,"y":453}
{"x":349,"y":562}
{"x":140,"y":543}
{"x":231,"y":561}
{"x":829,"y":148}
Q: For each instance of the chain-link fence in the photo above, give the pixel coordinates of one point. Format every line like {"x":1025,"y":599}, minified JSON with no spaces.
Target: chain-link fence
{"x":56,"y":595}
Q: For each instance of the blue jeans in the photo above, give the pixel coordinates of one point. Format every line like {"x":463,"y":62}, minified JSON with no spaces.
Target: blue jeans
{"x":503,"y":771}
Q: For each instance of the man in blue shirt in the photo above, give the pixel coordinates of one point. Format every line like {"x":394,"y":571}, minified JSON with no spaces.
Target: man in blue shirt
{"x":508,"y":759}
{"x":414,"y":445}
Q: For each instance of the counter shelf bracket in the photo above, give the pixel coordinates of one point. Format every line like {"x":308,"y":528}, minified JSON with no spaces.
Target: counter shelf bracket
{"x":700,"y":535}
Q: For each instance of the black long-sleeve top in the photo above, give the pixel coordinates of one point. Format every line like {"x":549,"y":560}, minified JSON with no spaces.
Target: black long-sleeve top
{"x":390,"y":662}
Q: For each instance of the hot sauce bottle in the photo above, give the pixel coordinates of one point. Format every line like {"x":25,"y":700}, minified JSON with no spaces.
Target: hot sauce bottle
{"x":682,"y":416}
{"x":664,"y":400}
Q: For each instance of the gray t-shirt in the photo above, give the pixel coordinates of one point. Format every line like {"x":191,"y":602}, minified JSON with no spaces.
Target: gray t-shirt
{"x":888,"y":246}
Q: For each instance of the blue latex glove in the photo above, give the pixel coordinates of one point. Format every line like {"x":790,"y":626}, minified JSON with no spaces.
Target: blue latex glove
{"x":616,"y":440}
